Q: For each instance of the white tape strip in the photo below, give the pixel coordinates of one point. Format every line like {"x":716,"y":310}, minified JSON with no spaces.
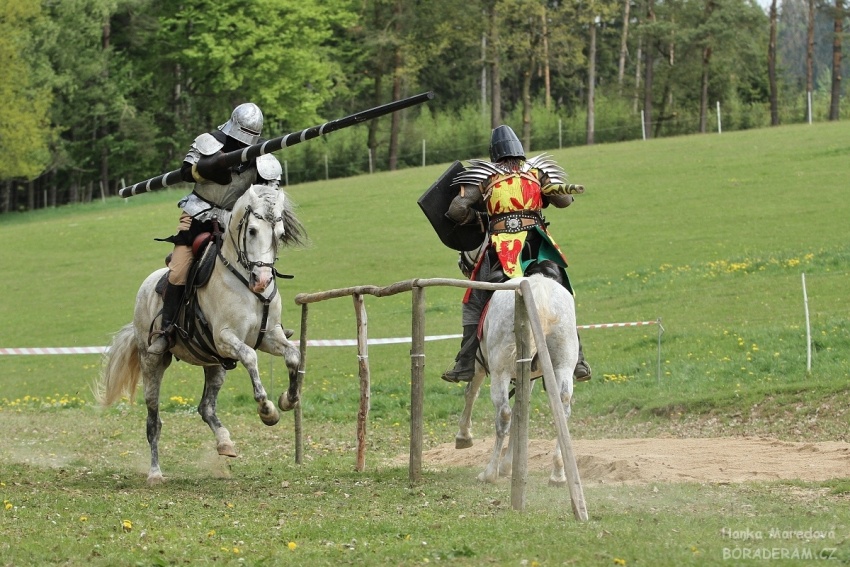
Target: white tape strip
{"x":57,"y":350}
{"x":610,"y":325}
{"x":315,"y":343}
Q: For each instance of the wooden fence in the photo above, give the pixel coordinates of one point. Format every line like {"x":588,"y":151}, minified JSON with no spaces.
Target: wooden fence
{"x":526,"y":314}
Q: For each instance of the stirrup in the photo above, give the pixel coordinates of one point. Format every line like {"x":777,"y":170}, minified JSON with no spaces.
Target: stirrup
{"x":160,"y":342}
{"x":581,"y":372}
{"x":456,"y":375}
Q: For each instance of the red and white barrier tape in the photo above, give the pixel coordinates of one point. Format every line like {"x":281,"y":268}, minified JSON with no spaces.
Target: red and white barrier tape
{"x":56,"y":350}
{"x":611,"y":325}
{"x":315,"y":343}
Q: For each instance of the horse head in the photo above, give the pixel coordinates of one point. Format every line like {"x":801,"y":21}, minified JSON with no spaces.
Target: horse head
{"x":256,"y":228}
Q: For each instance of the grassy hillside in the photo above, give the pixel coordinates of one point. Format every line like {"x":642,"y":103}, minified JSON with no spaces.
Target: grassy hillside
{"x":710,"y":234}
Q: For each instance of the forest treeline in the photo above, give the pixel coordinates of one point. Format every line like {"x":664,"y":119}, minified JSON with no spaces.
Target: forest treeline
{"x":99,"y":94}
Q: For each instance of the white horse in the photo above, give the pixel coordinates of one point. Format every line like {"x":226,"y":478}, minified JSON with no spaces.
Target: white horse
{"x":237,"y":313}
{"x":556,"y":309}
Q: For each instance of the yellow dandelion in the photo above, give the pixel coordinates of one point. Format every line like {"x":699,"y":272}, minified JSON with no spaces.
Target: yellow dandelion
{"x":619,"y":561}
{"x":7,"y":504}
{"x":127,"y":525}
{"x":84,"y":518}
{"x":291,"y":545}
{"x":210,"y":533}
{"x":236,"y":550}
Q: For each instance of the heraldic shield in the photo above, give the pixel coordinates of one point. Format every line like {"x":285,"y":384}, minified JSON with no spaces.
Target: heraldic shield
{"x":435,"y":202}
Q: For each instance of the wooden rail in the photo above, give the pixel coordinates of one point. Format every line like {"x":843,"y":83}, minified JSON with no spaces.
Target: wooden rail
{"x":526,"y":315}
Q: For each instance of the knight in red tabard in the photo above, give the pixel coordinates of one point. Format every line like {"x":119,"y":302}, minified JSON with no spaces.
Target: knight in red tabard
{"x":509,"y":194}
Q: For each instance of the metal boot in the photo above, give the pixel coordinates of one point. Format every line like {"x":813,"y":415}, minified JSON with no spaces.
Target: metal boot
{"x":162,"y":340}
{"x":582,"y":371}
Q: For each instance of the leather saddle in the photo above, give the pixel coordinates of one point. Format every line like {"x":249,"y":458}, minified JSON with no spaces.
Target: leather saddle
{"x":193,"y":329}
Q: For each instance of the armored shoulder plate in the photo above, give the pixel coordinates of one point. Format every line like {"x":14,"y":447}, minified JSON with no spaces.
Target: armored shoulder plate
{"x":268,"y":167}
{"x":478,"y":172}
{"x":207,"y":145}
{"x":552,"y":170}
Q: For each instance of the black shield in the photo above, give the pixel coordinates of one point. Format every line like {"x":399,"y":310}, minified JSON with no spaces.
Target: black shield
{"x":435,"y":202}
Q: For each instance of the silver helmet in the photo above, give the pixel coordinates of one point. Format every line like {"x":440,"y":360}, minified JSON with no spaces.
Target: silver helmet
{"x":245,"y":124}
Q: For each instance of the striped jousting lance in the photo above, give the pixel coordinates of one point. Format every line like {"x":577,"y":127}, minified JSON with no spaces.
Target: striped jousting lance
{"x":240,"y":156}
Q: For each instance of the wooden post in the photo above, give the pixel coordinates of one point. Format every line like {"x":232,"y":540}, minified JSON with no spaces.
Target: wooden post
{"x":519,"y":415}
{"x":302,"y":367}
{"x":417,"y":383}
{"x":365,"y":393}
{"x":557,"y":407}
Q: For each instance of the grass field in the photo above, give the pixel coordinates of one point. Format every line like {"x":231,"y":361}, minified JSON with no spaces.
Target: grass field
{"x":709,"y":234}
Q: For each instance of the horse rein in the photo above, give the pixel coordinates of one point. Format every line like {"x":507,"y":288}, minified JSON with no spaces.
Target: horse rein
{"x":249,"y":266}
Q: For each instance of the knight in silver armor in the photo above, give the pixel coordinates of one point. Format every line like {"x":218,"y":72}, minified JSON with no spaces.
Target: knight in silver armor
{"x":216,"y":190}
{"x":506,"y":196}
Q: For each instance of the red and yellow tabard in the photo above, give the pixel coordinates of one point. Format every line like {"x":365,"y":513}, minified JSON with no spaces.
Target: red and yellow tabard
{"x":515,"y":192}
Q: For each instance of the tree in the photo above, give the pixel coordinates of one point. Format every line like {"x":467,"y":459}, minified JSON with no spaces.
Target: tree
{"x":594,"y":14}
{"x":494,"y":58}
{"x":771,"y":67}
{"x":810,"y":51}
{"x":25,"y":91}
{"x":651,"y":45}
{"x":624,"y":45}
{"x":838,"y":16}
{"x":270,"y":52}
{"x":718,"y":32}
{"x":90,"y":93}
{"x":591,"y":84}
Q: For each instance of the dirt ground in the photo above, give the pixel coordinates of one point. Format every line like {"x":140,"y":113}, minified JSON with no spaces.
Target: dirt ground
{"x":636,"y":461}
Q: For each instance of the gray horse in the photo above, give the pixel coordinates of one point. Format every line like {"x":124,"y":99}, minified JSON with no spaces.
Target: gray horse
{"x":236,"y":313}
{"x":556,"y":309}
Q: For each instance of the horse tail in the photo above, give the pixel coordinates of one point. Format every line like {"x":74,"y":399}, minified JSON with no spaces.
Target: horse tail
{"x":121,"y":368}
{"x":541,"y":291}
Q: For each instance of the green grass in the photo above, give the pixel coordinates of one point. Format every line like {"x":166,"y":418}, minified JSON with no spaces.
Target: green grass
{"x":710,"y":234}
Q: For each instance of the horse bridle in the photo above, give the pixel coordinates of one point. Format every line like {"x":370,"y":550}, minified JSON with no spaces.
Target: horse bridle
{"x":245,"y":262}
{"x":242,"y":231}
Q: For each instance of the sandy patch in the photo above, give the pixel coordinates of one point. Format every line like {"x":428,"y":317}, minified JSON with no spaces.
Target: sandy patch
{"x":733,"y":459}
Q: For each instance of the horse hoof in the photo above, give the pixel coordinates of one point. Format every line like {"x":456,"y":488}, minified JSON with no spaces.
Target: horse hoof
{"x":155,"y":479}
{"x":268,"y":413}
{"x":227,"y":450}
{"x":285,"y":404}
{"x":557,"y":483}
{"x":463,"y":443}
{"x":484,"y":477}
